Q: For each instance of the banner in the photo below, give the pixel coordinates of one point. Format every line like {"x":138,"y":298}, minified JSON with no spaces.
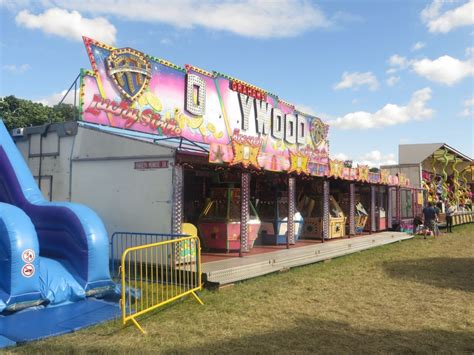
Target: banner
{"x":242,"y":124}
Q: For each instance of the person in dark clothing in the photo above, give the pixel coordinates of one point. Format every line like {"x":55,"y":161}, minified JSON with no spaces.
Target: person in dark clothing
{"x":429,"y":216}
{"x":438,"y":208}
{"x":417,"y":222}
{"x":450,"y":210}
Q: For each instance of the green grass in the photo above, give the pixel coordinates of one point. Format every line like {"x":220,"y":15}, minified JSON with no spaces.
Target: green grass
{"x":413,"y":296}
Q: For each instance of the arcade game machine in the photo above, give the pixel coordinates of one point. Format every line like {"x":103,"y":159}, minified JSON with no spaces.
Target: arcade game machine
{"x":219,"y":222}
{"x":380,"y":215}
{"x":381,"y":219}
{"x":362,"y":196}
{"x":274,"y":216}
{"x":361,"y":217}
{"x":311,"y":207}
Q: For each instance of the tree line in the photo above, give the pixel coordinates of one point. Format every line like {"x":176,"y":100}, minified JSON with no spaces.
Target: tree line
{"x":16,"y":112}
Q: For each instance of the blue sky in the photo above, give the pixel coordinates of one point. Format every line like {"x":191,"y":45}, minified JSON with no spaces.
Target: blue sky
{"x":380,"y":72}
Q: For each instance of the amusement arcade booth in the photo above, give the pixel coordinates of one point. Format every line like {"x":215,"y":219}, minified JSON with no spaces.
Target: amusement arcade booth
{"x":255,"y":169}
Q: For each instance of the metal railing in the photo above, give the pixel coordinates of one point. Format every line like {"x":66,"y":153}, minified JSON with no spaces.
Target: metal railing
{"x":121,"y":241}
{"x":463,"y":217}
{"x":159,"y":273}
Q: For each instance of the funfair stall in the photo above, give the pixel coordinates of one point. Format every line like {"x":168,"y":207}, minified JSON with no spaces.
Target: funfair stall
{"x":156,"y":134}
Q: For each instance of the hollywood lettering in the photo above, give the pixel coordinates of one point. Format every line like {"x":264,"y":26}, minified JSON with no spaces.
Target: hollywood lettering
{"x":271,"y":120}
{"x":291,"y":128}
{"x":131,"y":115}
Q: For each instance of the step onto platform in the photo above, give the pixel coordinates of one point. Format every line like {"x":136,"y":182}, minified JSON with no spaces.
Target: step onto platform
{"x":231,"y":270}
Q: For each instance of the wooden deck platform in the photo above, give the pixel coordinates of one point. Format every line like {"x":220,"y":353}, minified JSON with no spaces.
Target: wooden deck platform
{"x":227,"y":269}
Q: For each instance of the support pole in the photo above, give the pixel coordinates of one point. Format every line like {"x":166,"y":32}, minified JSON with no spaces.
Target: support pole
{"x":389,"y":207}
{"x":178,"y":182}
{"x":325,"y":209}
{"x":244,"y":212}
{"x":351,"y":209}
{"x":398,"y":205}
{"x":373,"y":227}
{"x":290,"y":235}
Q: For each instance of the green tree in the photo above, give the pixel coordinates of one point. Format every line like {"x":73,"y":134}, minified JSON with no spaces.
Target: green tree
{"x":17,"y":112}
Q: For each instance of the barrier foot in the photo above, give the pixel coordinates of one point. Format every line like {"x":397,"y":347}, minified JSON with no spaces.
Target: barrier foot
{"x":138,"y":326}
{"x":197,"y":298}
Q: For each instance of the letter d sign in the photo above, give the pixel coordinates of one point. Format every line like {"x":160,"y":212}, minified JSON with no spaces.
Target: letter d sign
{"x":195,"y":95}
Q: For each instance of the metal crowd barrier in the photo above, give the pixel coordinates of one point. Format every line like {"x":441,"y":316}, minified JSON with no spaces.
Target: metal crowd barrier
{"x":159,"y":273}
{"x":121,"y":241}
{"x":463,"y":217}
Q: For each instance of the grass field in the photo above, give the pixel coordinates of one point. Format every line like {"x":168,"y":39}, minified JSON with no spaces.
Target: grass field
{"x":413,"y":296}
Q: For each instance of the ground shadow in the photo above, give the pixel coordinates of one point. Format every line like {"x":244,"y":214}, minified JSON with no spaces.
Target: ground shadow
{"x":318,"y":336}
{"x":453,"y":273}
{"x":308,"y":336}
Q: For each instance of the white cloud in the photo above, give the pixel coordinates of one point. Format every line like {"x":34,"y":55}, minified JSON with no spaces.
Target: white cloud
{"x":340,"y":156}
{"x":393,"y":80}
{"x":374,"y":158}
{"x":326,"y":116}
{"x":431,"y":11}
{"x":449,"y":20}
{"x":397,"y":62}
{"x":417,"y":46}
{"x":71,"y":25}
{"x":306,"y":109}
{"x":55,"y":98}
{"x":356,"y":79}
{"x":445,"y":69}
{"x":468,"y":108}
{"x":249,"y":18}
{"x":389,"y":115}
{"x":16,"y":69}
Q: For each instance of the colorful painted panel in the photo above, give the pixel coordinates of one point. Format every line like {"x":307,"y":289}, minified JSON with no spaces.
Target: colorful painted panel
{"x":241,"y":123}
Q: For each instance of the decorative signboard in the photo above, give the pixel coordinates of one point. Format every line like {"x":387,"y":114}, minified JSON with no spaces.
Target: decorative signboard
{"x":242,"y":124}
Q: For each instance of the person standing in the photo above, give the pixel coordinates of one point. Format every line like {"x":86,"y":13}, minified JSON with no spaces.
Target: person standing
{"x":450,"y":210}
{"x":438,"y":208}
{"x":429,"y":216}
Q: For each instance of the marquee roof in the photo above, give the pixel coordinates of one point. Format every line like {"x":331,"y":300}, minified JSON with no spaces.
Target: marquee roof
{"x":417,"y":153}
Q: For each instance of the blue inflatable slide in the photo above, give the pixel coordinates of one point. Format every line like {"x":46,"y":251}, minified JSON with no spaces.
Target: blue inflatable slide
{"x":51,"y":253}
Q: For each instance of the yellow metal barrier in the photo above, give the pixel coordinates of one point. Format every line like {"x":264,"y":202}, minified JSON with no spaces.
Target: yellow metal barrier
{"x":156,"y":274}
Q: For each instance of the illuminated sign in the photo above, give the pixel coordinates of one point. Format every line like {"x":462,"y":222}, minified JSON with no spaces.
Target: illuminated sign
{"x":131,"y":90}
{"x":242,"y":124}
